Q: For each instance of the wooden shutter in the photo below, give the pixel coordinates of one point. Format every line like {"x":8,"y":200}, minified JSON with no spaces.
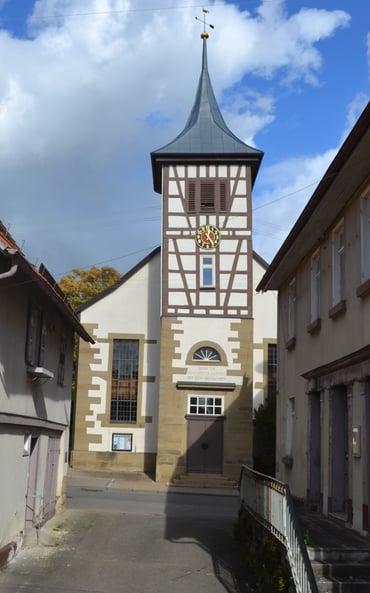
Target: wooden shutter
{"x":31,"y":332}
{"x":191,"y":196}
{"x":223,"y":205}
{"x":207,"y":196}
{"x":36,"y":337}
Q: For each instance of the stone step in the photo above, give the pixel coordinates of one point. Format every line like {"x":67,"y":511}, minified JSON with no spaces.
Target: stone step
{"x":346,"y":555}
{"x":204,"y":481}
{"x":339,"y":569}
{"x":343,"y":585}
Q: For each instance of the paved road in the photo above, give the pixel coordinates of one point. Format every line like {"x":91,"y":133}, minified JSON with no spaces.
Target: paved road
{"x":118,"y":541}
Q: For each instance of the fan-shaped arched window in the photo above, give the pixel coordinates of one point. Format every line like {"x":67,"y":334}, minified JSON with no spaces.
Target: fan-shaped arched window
{"x":206,"y":354}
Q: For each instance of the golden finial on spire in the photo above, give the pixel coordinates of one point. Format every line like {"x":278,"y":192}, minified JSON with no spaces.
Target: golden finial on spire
{"x":204,"y":34}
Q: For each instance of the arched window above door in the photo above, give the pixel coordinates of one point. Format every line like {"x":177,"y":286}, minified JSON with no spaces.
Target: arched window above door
{"x":206,"y":354}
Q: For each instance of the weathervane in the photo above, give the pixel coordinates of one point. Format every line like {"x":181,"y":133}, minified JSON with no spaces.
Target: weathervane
{"x":205,"y":35}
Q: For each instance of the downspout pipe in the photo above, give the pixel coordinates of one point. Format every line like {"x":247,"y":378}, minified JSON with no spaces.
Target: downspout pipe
{"x":12,"y":270}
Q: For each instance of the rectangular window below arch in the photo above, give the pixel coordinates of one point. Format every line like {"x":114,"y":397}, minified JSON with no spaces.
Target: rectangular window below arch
{"x":206,"y":405}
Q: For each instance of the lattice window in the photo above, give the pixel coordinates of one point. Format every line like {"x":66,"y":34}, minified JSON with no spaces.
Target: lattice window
{"x":338,"y":264}
{"x":315,"y":287}
{"x":207,"y":271}
{"x":206,"y":405}
{"x":271,"y":368}
{"x":125,"y":369}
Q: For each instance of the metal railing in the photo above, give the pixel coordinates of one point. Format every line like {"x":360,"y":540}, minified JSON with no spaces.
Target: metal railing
{"x":271,"y":504}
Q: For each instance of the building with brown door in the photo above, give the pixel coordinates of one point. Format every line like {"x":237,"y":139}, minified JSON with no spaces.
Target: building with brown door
{"x":37,"y":329}
{"x":179,"y":353}
{"x":322,"y":275}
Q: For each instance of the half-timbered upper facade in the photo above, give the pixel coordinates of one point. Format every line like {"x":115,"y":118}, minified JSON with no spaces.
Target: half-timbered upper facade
{"x":207,"y":240}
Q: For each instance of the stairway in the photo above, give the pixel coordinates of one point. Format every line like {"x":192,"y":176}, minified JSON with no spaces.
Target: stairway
{"x":341,"y":570}
{"x":340,"y":556}
{"x":211,"y":481}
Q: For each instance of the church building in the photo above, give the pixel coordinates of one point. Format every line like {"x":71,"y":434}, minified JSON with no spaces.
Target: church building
{"x":183,"y":344}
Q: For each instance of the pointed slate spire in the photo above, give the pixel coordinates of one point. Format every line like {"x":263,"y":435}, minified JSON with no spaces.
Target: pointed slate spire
{"x":205,"y":136}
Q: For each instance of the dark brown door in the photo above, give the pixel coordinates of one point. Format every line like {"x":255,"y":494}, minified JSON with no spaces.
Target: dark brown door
{"x":314,"y":448}
{"x":339,"y":450}
{"x":205,"y":444}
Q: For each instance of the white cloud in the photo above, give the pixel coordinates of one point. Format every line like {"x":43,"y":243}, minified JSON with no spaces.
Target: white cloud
{"x":85,"y":99}
{"x":282,"y":193}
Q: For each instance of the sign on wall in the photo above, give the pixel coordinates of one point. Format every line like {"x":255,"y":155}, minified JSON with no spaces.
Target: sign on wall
{"x":121,"y":442}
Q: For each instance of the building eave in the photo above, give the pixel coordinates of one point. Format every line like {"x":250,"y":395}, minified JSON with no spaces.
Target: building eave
{"x":161,"y":159}
{"x":346,"y":173}
{"x":43,"y":280}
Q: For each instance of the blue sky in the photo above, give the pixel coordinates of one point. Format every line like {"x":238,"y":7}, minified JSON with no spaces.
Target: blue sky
{"x":89,"y":87}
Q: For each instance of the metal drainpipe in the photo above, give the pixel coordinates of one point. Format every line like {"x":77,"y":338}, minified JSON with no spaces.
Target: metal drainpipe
{"x":11,"y":271}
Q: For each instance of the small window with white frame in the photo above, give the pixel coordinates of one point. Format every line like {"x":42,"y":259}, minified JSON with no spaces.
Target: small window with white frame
{"x":206,"y":405}
{"x":365,"y":238}
{"x":315,"y":287}
{"x":207,"y":271}
{"x":338,"y":264}
{"x":292,"y":297}
{"x":289,"y":438}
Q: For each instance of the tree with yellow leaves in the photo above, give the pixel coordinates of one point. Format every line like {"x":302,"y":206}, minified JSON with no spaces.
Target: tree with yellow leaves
{"x":82,"y":285}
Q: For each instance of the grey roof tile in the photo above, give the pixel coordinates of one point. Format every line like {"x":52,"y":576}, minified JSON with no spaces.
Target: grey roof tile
{"x":205,"y":134}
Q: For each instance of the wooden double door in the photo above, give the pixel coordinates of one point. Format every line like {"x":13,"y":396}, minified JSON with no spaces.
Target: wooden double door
{"x":205,"y":444}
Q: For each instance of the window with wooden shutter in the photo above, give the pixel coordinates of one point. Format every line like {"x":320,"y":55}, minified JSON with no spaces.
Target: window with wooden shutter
{"x":207,"y":195}
{"x":35,"y":342}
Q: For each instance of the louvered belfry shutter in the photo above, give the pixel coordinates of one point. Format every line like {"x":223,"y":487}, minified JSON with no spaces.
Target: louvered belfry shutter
{"x":223,"y":205}
{"x":207,"y":196}
{"x":191,"y":196}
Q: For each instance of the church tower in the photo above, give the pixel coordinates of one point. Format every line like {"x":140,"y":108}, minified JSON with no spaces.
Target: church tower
{"x":205,"y":175}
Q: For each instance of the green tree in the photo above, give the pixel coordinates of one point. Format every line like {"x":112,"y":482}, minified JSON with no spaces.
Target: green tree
{"x":82,"y":285}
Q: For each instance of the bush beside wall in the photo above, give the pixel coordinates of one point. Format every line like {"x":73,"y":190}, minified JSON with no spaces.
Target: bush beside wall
{"x":263,"y":557}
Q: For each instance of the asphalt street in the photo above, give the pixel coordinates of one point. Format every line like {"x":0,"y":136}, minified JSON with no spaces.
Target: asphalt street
{"x":112,"y":540}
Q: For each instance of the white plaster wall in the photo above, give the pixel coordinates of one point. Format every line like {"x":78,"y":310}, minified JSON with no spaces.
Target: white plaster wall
{"x":132,"y":309}
{"x":13,"y":486}
{"x":14,"y":468}
{"x":264,"y":308}
{"x":264,"y":330}
{"x":336,"y":339}
{"x":193,"y":330}
{"x":19,"y":394}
